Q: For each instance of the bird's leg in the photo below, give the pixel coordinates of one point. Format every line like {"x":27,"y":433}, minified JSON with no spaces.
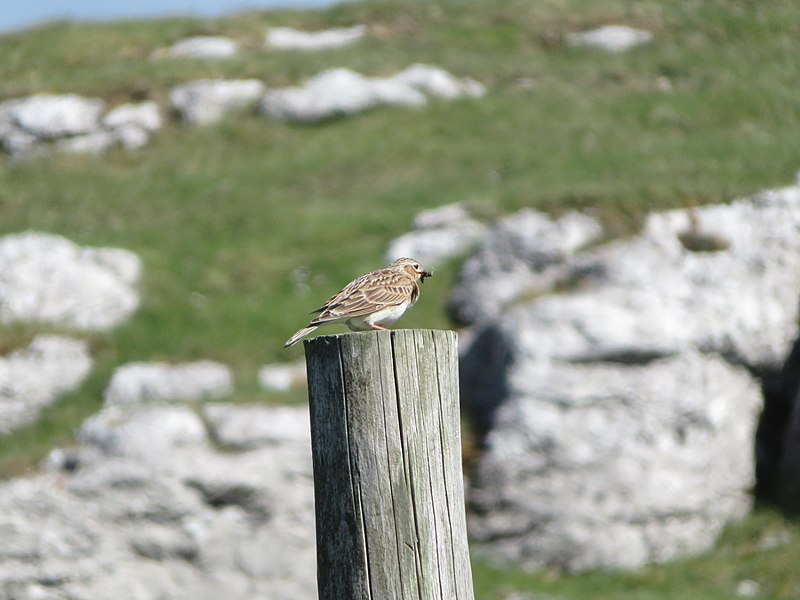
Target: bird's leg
{"x":378,"y":327}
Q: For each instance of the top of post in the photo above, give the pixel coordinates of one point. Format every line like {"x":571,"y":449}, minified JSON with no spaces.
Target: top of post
{"x":438,"y":334}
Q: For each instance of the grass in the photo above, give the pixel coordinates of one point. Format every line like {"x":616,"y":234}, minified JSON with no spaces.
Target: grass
{"x":761,"y":549}
{"x":244,"y":226}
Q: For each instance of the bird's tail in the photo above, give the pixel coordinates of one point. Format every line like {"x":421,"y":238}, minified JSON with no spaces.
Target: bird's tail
{"x":300,"y":334}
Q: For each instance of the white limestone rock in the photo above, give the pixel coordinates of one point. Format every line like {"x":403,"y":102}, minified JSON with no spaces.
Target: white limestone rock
{"x":337,"y":92}
{"x":131,"y":137}
{"x":144,"y":504}
{"x":48,"y":116}
{"x":39,"y":124}
{"x":439,"y":235}
{"x":136,"y":383}
{"x":604,"y":402}
{"x":202,"y":47}
{"x":608,"y":466}
{"x":442,"y":216}
{"x":32,"y":378}
{"x":49,"y":279}
{"x":611,"y":38}
{"x":342,"y":92}
{"x":248,"y":427}
{"x":524,"y":254}
{"x":282,"y":377}
{"x":288,"y":38}
{"x":209,"y":100}
{"x":96,"y":142}
{"x":143,"y":431}
{"x":34,"y":125}
{"x":14,"y":141}
{"x":436,"y":82}
{"x":144,"y":115}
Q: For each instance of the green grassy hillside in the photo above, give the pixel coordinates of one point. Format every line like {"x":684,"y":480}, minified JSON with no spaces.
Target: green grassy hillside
{"x":245,"y":226}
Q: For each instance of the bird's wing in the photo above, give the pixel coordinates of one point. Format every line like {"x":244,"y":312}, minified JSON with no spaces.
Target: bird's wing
{"x":366,"y":295}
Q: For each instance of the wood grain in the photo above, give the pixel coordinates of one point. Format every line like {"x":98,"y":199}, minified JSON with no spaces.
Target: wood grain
{"x":388,"y":484}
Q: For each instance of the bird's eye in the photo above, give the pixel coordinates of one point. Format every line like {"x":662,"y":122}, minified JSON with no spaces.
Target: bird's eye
{"x":416,"y":266}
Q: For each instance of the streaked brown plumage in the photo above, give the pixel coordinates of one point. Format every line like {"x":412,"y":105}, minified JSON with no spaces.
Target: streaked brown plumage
{"x":371,"y":301}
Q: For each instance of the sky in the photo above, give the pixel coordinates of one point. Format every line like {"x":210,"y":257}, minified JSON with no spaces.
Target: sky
{"x":16,"y":14}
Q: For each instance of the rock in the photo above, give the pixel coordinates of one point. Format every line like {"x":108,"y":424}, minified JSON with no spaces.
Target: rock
{"x":159,"y":382}
{"x":32,"y":378}
{"x":338,"y":92}
{"x":48,"y":117}
{"x":70,"y":124}
{"x":207,"y":101}
{"x":28,"y":125}
{"x":202,"y":47}
{"x":342,"y":92}
{"x":14,"y":141}
{"x":181,"y":520}
{"x":611,"y":38}
{"x":738,"y":299}
{"x":747,"y":588}
{"x":160,"y":543}
{"x":440,"y":235}
{"x":287,"y":38}
{"x":631,"y":380}
{"x":143,"y":115}
{"x":389,"y":91}
{"x":132,"y":137}
{"x":438,"y":83}
{"x":606,"y":466}
{"x":143,"y":432}
{"x":523,"y":255}
{"x":282,"y":377}
{"x":442,"y":216}
{"x":243,"y":428}
{"x":46,"y":278}
{"x":96,"y":142}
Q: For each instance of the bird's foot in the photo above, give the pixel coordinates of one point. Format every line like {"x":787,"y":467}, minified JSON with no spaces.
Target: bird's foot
{"x":378,"y":327}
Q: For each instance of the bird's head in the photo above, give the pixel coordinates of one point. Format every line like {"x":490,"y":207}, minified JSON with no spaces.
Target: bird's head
{"x":412,"y":267}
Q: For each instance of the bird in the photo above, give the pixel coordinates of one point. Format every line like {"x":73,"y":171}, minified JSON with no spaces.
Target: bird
{"x":371,"y":301}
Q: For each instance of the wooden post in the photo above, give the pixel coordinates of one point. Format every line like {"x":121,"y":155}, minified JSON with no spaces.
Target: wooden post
{"x":388,"y":485}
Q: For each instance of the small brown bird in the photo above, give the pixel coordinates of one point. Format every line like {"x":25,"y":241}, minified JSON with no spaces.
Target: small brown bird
{"x":371,"y":301}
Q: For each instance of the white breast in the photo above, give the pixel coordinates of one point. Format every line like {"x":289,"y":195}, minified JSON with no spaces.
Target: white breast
{"x":387,"y":316}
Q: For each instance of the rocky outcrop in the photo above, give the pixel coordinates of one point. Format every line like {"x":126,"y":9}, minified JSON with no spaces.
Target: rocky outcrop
{"x":134,"y":123}
{"x":288,"y":38}
{"x":48,"y":117}
{"x":202,"y":47}
{"x":439,"y":235}
{"x":615,"y":466}
{"x":619,"y":405}
{"x":46,"y":278}
{"x":209,"y":100}
{"x":161,"y":382}
{"x":524,"y":255}
{"x":146,"y":507}
{"x":71,"y":123}
{"x":282,"y":377}
{"x":27,"y":124}
{"x":611,"y":38}
{"x":342,"y":92}
{"x":248,"y":427}
{"x":33,"y":377}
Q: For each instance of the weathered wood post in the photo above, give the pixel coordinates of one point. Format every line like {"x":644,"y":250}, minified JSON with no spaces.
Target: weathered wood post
{"x":388,"y":485}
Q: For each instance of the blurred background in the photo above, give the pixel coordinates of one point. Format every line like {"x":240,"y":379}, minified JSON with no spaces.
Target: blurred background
{"x":605,"y":191}
{"x":45,"y":11}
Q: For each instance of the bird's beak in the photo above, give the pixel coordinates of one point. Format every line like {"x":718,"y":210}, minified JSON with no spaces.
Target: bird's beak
{"x":424,"y":275}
